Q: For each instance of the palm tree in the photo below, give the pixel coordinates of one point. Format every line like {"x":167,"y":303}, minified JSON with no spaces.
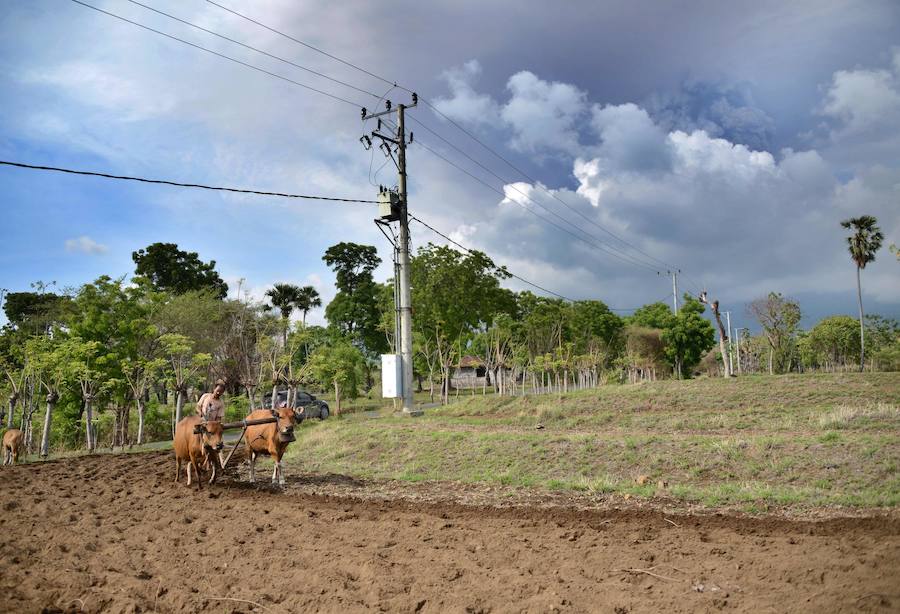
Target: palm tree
{"x":862,"y":244}
{"x":309,"y":299}
{"x":285,"y":298}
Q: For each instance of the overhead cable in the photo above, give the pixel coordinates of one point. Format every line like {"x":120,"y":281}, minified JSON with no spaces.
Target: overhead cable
{"x":599,"y":246}
{"x":469,"y":251}
{"x":221,"y":55}
{"x":257,"y":50}
{"x":446,"y":118}
{"x":182,"y":185}
{"x":522,"y":279}
{"x":514,"y":187}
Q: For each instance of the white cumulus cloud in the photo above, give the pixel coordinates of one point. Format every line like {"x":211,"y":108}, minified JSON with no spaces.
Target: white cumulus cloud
{"x":85,"y":245}
{"x":465,"y":104}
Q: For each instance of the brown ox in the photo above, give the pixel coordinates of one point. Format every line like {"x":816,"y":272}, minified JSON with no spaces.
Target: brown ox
{"x":197,"y":442}
{"x":270,"y":439}
{"x":12,"y":443}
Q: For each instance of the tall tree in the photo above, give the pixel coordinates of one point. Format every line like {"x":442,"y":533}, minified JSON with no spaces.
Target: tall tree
{"x":172,"y":270}
{"x":454,"y":294}
{"x":183,"y":365}
{"x":285,"y":298}
{"x":309,"y":299}
{"x":354,"y":310}
{"x":862,"y":245}
{"x":340,"y":365}
{"x":655,"y":315}
{"x":832,"y":342}
{"x":34,"y":312}
{"x":84,"y":364}
{"x":779,"y":317}
{"x":49,"y":364}
{"x":688,"y":337}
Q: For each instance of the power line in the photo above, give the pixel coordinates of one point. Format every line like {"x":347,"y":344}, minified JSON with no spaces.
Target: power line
{"x":511,"y":274}
{"x":537,"y":183}
{"x":308,"y":46}
{"x":625,"y":258}
{"x":469,"y":251}
{"x":183,"y":185}
{"x":631,"y":258}
{"x":260,"y":51}
{"x":257,"y":50}
{"x":453,"y":123}
{"x":221,"y":55}
{"x":599,"y":246}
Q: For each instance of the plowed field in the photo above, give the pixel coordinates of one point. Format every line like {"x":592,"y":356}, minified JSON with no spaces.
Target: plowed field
{"x":112,"y":533}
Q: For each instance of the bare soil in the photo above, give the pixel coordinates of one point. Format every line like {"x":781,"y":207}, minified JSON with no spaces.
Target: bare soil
{"x":112,"y":533}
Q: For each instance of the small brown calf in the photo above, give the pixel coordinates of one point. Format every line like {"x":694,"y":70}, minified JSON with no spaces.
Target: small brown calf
{"x":196,"y":448}
{"x":12,"y":443}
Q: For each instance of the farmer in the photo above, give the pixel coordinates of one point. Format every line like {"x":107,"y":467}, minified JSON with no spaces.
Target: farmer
{"x":210,"y":406}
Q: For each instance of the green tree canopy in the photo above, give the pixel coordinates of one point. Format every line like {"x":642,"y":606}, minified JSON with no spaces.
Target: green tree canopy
{"x":308,"y":299}
{"x":172,"y":270}
{"x":833,"y":341}
{"x":340,"y":365}
{"x":689,"y":336}
{"x":456,"y":292}
{"x":865,"y":241}
{"x":655,"y":315}
{"x":354,"y":310}
{"x":592,"y":320}
{"x":779,"y":317}
{"x":34,"y":312}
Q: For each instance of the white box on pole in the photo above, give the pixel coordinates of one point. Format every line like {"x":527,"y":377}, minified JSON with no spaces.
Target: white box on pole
{"x":391,"y":376}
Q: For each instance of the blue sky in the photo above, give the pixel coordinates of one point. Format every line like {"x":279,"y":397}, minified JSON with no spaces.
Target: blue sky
{"x":727,"y":139}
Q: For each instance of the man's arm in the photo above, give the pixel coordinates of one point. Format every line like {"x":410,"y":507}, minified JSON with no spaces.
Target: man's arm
{"x":201,"y":404}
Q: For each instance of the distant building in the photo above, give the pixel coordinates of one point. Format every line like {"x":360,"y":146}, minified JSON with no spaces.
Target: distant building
{"x":469,"y":373}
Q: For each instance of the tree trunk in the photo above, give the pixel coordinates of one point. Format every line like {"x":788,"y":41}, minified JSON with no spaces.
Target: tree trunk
{"x":722,"y":337}
{"x":88,"y":424}
{"x":12,"y":409}
{"x":337,"y":398}
{"x":179,"y":405}
{"x":771,"y":366}
{"x":862,"y":328}
{"x":140,"y":408}
{"x":251,"y":395}
{"x":126,"y":424}
{"x":52,"y":398}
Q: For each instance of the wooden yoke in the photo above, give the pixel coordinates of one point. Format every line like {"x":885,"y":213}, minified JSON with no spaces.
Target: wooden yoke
{"x":242,"y":424}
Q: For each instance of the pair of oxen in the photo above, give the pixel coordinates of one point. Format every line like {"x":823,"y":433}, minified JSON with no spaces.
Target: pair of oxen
{"x":199,"y":444}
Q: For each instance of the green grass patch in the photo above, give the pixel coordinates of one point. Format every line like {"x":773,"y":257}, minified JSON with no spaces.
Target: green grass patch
{"x":756,"y":442}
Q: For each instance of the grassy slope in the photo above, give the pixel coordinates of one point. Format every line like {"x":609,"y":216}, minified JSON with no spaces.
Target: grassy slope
{"x":801,"y":440}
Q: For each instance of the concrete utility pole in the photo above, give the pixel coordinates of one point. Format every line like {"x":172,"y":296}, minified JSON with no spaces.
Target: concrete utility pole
{"x":406,"y":350}
{"x":674,"y":275}
{"x":730,"y":343}
{"x":400,"y":214}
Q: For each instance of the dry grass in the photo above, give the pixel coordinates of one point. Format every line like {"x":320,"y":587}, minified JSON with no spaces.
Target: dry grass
{"x":847,"y":416}
{"x":807,"y":441}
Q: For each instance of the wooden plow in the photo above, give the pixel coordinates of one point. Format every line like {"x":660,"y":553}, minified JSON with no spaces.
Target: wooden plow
{"x":226,"y":426}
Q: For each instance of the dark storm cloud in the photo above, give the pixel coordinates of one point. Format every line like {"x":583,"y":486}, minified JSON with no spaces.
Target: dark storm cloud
{"x":721,"y":109}
{"x":725,"y":137}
